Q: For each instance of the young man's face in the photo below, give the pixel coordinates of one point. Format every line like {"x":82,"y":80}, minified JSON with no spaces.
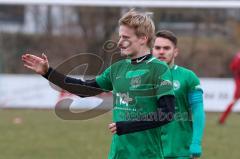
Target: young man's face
{"x":164,"y":50}
{"x":129,"y":43}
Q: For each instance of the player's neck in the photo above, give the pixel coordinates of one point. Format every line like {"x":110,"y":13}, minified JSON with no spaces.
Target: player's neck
{"x":171,"y":64}
{"x":142,"y":52}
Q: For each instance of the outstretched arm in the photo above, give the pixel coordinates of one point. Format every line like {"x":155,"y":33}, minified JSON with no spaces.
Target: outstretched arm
{"x":40,"y":65}
{"x":73,"y":85}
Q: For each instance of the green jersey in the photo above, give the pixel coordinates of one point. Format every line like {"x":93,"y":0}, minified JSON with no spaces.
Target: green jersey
{"x":177,"y":135}
{"x":136,"y":89}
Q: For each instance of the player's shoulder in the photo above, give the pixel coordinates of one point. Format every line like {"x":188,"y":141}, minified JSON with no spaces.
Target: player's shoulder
{"x":156,"y":62}
{"x":159,"y":67}
{"x":186,"y":71}
{"x":182,"y":69}
{"x":191,"y":79}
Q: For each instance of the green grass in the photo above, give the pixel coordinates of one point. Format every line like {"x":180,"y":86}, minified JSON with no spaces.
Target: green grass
{"x":222,"y":141}
{"x":42,"y":135}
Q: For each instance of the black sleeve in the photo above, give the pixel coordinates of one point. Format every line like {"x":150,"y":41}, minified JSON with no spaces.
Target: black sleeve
{"x":165,"y":114}
{"x":73,"y":85}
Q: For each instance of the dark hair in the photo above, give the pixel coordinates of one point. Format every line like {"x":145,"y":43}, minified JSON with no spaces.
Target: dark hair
{"x":168,"y":35}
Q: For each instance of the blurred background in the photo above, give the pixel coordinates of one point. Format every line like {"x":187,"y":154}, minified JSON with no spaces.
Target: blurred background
{"x":209,"y":37}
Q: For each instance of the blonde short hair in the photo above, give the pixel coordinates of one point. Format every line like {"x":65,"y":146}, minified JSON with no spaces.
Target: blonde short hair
{"x":141,"y":22}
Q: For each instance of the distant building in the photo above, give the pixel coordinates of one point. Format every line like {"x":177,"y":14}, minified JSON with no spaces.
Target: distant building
{"x":206,"y":21}
{"x":37,"y":19}
{"x":60,"y":19}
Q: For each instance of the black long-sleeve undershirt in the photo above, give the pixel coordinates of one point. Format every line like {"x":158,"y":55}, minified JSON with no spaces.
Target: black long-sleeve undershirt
{"x":75,"y":86}
{"x":88,"y":88}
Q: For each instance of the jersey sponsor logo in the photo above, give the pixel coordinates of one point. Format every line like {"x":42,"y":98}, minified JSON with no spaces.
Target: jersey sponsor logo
{"x":136,"y":73}
{"x":176,"y":84}
{"x":136,"y":82}
{"x":166,"y":83}
{"x":123,"y":98}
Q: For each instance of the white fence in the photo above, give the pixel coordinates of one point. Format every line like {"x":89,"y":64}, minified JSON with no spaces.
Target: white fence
{"x":33,"y":91}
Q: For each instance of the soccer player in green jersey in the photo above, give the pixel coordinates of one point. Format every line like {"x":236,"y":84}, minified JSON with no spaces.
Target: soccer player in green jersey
{"x":141,"y":86}
{"x":181,"y":138}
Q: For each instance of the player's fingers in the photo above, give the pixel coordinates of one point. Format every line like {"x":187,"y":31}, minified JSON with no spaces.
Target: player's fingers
{"x":113,"y":130}
{"x":28,"y":58}
{"x":27,"y":62}
{"x":44,"y":57}
{"x":111,"y":125}
{"x":27,"y":66}
{"x":24,"y":57}
{"x":32,"y":58}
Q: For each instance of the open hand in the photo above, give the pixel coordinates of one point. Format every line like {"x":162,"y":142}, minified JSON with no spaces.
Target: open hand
{"x":38,"y":64}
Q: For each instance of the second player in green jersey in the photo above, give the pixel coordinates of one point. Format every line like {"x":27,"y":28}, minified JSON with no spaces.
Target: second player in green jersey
{"x":182,"y":138}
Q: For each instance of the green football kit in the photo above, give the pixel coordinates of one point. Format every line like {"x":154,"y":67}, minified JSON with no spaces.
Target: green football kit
{"x":143,"y":99}
{"x":177,"y":136}
{"x":136,"y":89}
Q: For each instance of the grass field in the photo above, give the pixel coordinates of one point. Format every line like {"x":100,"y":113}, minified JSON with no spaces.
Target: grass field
{"x":40,"y":134}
